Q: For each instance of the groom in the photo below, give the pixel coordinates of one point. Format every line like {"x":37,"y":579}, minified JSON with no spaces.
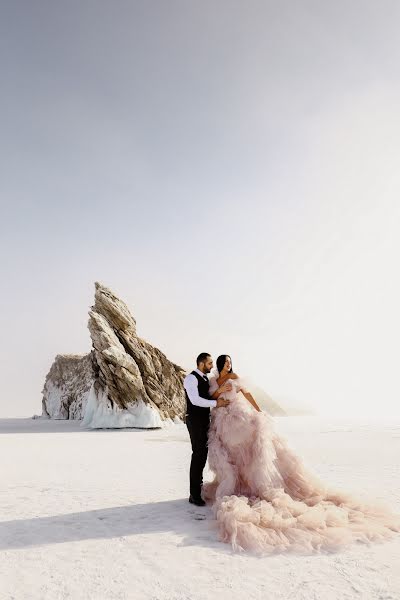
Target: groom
{"x":198,"y":404}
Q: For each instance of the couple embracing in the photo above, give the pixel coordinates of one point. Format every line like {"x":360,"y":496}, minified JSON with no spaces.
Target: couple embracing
{"x":263,"y":496}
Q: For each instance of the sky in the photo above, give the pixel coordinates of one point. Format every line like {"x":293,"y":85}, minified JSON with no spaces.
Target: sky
{"x":230,"y":170}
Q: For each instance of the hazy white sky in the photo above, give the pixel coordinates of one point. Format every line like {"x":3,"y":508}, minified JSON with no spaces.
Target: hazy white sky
{"x":230,"y":169}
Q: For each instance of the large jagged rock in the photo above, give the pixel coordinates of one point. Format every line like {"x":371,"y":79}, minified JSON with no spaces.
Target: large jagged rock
{"x":67,"y":385}
{"x":135,"y":382}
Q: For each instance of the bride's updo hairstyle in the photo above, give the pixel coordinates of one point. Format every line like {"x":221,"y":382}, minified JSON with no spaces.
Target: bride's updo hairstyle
{"x":221,"y":362}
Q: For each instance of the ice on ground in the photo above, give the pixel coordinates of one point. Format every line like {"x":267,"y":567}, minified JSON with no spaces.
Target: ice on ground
{"x":104,"y":515}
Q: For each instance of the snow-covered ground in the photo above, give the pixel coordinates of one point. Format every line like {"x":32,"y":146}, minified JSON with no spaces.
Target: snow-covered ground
{"x":104,"y":514}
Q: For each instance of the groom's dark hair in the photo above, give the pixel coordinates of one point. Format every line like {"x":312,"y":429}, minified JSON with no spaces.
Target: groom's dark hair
{"x":202,"y":357}
{"x":221,"y":362}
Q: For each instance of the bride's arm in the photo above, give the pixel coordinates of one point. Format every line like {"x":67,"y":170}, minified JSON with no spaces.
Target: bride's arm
{"x":250,"y":398}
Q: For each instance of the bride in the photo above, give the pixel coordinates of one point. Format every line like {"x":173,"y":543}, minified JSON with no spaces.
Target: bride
{"x":264,"y":498}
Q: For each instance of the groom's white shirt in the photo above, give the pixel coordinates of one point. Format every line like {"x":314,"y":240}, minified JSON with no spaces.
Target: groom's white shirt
{"x":191,"y":386}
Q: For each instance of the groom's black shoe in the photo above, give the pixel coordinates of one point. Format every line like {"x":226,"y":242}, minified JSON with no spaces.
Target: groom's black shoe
{"x":196,"y":501}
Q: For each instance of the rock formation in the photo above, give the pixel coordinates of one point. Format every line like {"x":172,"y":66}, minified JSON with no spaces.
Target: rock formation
{"x":67,"y":386}
{"x":137,"y":377}
{"x":123,"y":382}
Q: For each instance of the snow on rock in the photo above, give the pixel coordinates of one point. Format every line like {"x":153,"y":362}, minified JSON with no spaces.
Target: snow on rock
{"x":101,"y":414}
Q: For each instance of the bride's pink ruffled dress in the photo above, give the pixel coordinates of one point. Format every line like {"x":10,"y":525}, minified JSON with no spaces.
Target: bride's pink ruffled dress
{"x":264,"y":498}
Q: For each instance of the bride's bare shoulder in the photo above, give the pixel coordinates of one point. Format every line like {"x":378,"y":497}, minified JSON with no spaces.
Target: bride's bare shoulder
{"x":220,"y":380}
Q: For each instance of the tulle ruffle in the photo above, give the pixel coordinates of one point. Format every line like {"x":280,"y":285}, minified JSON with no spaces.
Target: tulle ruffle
{"x":265,"y":500}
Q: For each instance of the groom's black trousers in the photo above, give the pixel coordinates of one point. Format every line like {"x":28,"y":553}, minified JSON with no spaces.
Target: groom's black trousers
{"x":198,"y":431}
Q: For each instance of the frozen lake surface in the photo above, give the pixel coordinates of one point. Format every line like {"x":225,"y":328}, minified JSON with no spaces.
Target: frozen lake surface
{"x":104,"y":515}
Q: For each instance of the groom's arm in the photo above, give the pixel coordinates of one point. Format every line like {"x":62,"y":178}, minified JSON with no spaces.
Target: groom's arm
{"x":191,"y":386}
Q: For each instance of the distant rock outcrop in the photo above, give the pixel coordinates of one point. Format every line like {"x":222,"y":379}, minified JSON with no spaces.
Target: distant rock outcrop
{"x":67,"y":386}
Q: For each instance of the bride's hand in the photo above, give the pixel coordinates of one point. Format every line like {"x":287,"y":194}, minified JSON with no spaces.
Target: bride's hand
{"x":225,"y":387}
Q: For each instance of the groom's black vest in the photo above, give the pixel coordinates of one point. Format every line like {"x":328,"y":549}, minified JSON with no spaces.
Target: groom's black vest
{"x":199,"y":412}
